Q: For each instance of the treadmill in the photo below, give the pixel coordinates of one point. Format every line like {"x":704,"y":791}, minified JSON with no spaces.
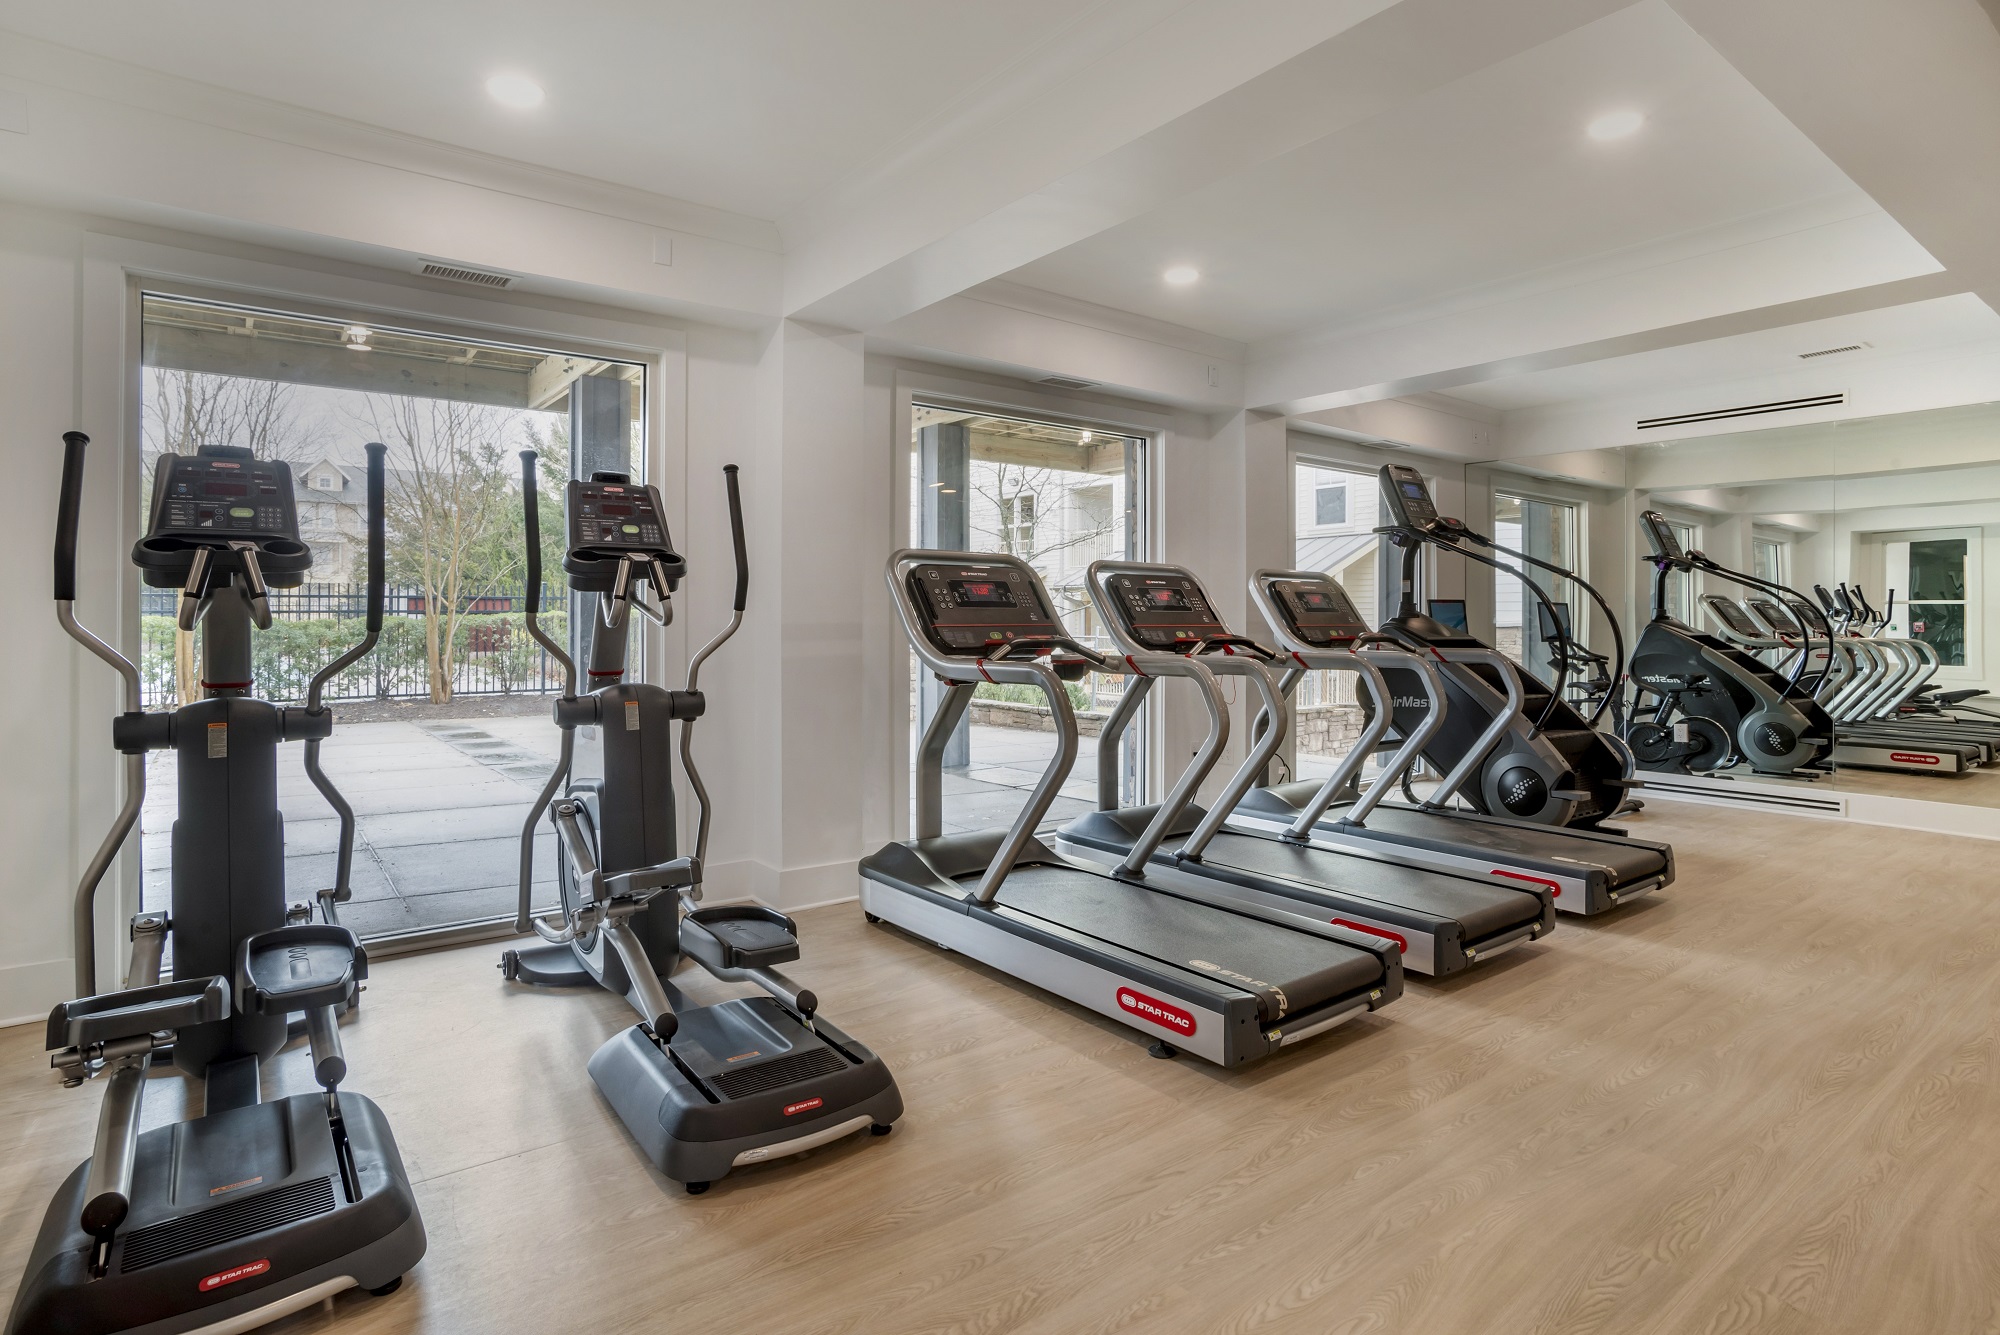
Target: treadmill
{"x":1317,"y":627}
{"x":1163,"y":952}
{"x":1443,"y":923}
{"x":1857,"y":743}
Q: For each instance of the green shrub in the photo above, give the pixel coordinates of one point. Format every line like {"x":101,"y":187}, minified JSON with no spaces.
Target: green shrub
{"x":1019,"y":693}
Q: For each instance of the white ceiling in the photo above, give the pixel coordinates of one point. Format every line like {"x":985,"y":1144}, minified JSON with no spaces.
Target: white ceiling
{"x":1684,"y":379}
{"x":750,"y":106}
{"x":1487,"y":184}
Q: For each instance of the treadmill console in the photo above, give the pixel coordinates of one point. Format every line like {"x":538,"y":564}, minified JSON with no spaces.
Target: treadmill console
{"x":1166,"y":611}
{"x":1317,"y":611}
{"x":970,"y":610}
{"x":1732,"y":615}
{"x":1779,"y":619}
{"x":612,"y":517}
{"x":1409,"y":496}
{"x":1661,"y":534}
{"x":1805,"y":613}
{"x":219,"y":495}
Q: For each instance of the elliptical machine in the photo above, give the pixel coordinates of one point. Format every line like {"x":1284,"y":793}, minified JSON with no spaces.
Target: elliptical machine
{"x":1714,"y":704}
{"x":1550,"y":764}
{"x":703,"y":1089}
{"x":253,"y":1210}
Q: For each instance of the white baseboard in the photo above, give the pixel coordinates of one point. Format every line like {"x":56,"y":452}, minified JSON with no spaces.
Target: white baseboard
{"x":27,"y":991}
{"x":1806,"y":799}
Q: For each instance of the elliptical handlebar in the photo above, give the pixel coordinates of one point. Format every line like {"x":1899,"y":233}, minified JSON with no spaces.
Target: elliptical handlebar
{"x":378,"y":532}
{"x":741,"y":546}
{"x":736,"y":536}
{"x":69,"y":506}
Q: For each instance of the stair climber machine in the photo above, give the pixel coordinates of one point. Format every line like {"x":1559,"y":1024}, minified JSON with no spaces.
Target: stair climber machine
{"x":1318,"y":628}
{"x":1443,"y":921}
{"x":1549,"y":764}
{"x":703,"y":1089}
{"x":1174,"y":955}
{"x":1699,"y":703}
{"x":1867,"y":742}
{"x":253,"y":1210}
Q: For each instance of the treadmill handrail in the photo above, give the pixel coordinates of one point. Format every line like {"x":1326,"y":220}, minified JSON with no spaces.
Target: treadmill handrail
{"x":1366,"y":667}
{"x":970,"y":672}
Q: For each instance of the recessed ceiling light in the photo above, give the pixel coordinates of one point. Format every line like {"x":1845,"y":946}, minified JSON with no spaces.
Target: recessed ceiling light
{"x":515,"y":90}
{"x":1181,"y":275}
{"x":1615,"y":125}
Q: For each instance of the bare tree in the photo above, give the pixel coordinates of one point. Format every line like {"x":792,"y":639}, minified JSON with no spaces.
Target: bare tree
{"x":1025,"y":505}
{"x":448,"y":487}
{"x":185,"y":410}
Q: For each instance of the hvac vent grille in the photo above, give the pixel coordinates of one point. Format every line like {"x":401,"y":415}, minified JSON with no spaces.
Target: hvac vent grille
{"x":1828,"y":352}
{"x":778,"y":1072}
{"x":457,"y":273}
{"x":226,"y":1223}
{"x":1747,"y":410}
{"x":1065,"y":382}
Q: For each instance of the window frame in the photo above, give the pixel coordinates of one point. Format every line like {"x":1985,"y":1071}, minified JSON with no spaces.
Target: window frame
{"x":888,"y":660}
{"x":118,"y":272}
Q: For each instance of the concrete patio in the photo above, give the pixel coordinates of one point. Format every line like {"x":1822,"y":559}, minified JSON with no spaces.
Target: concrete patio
{"x":439,"y":804}
{"x":438,"y":807}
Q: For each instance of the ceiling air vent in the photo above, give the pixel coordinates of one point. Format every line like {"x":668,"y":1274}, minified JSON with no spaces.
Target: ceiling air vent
{"x":1065,"y":382}
{"x":458,"y":273}
{"x":1828,"y":352}
{"x":1747,"y":410}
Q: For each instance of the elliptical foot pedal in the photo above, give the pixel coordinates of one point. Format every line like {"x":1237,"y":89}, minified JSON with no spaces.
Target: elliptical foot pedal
{"x":740,"y":936}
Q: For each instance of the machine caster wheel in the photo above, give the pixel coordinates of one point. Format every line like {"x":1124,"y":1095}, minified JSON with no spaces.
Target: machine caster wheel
{"x":510,"y":964}
{"x":388,"y":1288}
{"x":880,"y":1129}
{"x":871,"y":917}
{"x":696,"y":1188}
{"x":1163,"y":1050}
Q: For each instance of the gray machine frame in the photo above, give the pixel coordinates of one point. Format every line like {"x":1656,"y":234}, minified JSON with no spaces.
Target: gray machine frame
{"x":1587,"y":871}
{"x":1363,"y":889}
{"x":1195,"y":1005}
{"x":631,"y":907}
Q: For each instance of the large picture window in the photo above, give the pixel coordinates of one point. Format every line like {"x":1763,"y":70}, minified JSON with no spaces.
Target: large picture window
{"x":1335,"y":513}
{"x":1059,"y":497}
{"x":442,"y":736}
{"x":1546,"y":530}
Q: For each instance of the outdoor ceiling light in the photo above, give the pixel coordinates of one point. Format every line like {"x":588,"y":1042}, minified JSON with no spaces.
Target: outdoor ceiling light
{"x":515,"y":90}
{"x":356,"y":337}
{"x":1181,"y":275}
{"x":1615,"y":125}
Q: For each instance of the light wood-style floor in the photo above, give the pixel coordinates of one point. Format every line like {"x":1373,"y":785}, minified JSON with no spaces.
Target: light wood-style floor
{"x":1763,"y":1102}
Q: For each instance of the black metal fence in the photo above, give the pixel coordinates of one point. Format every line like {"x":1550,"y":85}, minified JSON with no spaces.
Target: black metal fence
{"x":492,"y":652}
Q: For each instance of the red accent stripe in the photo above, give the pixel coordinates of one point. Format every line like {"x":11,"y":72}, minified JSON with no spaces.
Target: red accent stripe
{"x":1402,"y":942}
{"x":1555,"y":886}
{"x":248,"y":1270}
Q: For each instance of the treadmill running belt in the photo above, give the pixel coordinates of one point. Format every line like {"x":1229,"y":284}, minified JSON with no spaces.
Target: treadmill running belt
{"x":1483,"y":909}
{"x":1625,"y":860}
{"x":1309,"y":970}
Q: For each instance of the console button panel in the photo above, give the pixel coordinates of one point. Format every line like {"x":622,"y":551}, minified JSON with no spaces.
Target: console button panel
{"x":200,"y":496}
{"x":1409,"y":496}
{"x":1167,"y":611}
{"x":1318,"y":611}
{"x":611,"y":519}
{"x":971,"y":611}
